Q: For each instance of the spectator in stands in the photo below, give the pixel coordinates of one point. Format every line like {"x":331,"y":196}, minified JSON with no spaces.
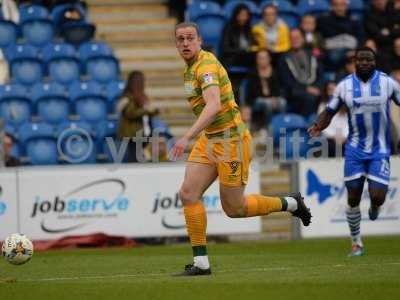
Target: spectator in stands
{"x":272,"y":33}
{"x":301,"y":76}
{"x":377,"y":24}
{"x":263,"y":91}
{"x":336,"y":133}
{"x":177,"y":9}
{"x":394,"y":15}
{"x":237,"y":39}
{"x":340,"y":33}
{"x":9,"y":10}
{"x":4,"y":69}
{"x":383,"y":62}
{"x":348,"y":68}
{"x":395,"y":55}
{"x":9,"y":160}
{"x":396,"y":75}
{"x":313,"y":39}
{"x":135,"y":115}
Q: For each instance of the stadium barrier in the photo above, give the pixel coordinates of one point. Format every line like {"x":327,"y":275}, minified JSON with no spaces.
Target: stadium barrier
{"x":321,"y":183}
{"x":133,"y":200}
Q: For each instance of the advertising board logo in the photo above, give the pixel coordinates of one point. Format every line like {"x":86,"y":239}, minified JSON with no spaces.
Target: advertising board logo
{"x":323,"y":190}
{"x":171,"y":209}
{"x":78,"y":207}
{"x":3,"y":206}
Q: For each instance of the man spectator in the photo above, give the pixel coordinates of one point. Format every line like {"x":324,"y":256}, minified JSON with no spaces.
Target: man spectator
{"x":340,"y":32}
{"x":394,"y":15}
{"x":9,"y":159}
{"x":301,"y":75}
{"x":377,"y":24}
{"x":395,"y":55}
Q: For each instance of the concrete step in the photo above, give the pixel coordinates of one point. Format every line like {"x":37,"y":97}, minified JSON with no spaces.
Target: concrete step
{"x":166,"y":92}
{"x":132,"y":52}
{"x":121,"y":13}
{"x":162,"y":65}
{"x":147,"y":25}
{"x":166,"y":36}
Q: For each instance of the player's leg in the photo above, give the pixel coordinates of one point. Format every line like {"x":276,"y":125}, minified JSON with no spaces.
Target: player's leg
{"x":233,"y":175}
{"x":354,"y":172}
{"x":198,"y":177}
{"x":378,"y":181}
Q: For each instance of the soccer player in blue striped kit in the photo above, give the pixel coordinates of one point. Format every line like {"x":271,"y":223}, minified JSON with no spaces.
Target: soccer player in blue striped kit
{"x":367,"y":95}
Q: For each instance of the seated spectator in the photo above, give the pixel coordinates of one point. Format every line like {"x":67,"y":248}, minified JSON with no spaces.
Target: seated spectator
{"x":135,"y":115}
{"x":348,"y":68}
{"x":301,"y":77}
{"x":336,"y":133}
{"x":383,"y":62}
{"x":263,"y":91}
{"x":9,"y":160}
{"x":395,"y":55}
{"x":394,"y":15}
{"x":272,"y":33}
{"x":340,"y":33}
{"x":377,"y":24}
{"x":313,"y":39}
{"x":237,"y":39}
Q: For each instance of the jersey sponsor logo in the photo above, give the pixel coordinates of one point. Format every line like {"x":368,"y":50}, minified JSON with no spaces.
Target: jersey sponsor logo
{"x":208,"y":78}
{"x":234,"y":165}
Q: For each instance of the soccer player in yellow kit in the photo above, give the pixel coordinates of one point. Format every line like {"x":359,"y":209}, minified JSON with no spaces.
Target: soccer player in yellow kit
{"x":223,"y":149}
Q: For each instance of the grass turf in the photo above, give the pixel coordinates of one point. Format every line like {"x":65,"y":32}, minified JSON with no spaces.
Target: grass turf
{"x":308,"y":269}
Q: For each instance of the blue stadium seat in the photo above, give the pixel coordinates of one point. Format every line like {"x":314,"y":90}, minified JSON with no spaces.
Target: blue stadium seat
{"x":291,"y":129}
{"x":108,"y":129}
{"x":52,"y":103}
{"x":99,"y":61}
{"x":356,"y":8}
{"x":26,"y":67}
{"x":286,"y":11}
{"x":40,"y":142}
{"x":90,"y":104}
{"x":313,"y":7}
{"x":211,"y":27}
{"x":76,"y":142}
{"x":15,"y":106}
{"x":230,"y":6}
{"x":37,"y":28}
{"x":114,"y":91}
{"x":201,"y":8}
{"x":8,"y":33}
{"x":62,"y":62}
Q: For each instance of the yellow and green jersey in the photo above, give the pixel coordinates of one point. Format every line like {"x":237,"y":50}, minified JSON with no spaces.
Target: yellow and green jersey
{"x":204,"y":72}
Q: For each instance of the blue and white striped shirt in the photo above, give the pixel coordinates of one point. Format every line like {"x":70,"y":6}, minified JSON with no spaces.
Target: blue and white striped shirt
{"x":368,"y":106}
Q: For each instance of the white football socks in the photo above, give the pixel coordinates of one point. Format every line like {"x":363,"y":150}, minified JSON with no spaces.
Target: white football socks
{"x":201,"y":262}
{"x":291,"y":204}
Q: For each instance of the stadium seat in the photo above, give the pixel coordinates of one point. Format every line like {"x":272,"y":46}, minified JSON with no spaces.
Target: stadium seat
{"x":230,"y":6}
{"x":108,"y":129}
{"x":40,"y":142}
{"x":52,"y":103}
{"x":77,"y":33}
{"x":314,"y":7}
{"x":15,"y":106}
{"x":8,"y":33}
{"x":37,"y":28}
{"x":99,"y":61}
{"x":76,"y":142}
{"x":356,"y":8}
{"x":291,"y":129}
{"x":286,"y":11}
{"x":114,"y":90}
{"x":201,"y":8}
{"x":62,"y":62}
{"x":89,"y":102}
{"x":26,"y":67}
{"x":211,"y":27}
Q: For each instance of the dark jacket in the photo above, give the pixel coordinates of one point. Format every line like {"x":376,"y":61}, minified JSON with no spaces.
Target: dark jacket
{"x":231,"y":54}
{"x":394,"y":16}
{"x":374,"y":22}
{"x":254,"y":87}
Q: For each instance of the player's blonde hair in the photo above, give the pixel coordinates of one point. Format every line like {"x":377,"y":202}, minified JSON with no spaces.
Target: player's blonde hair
{"x":188,"y":24}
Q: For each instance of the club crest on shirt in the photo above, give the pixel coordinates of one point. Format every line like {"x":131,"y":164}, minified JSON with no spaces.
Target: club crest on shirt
{"x":208,"y":78}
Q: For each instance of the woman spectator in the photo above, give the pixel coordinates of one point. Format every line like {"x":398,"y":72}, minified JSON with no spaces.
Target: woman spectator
{"x":272,"y":33}
{"x":263,"y":91}
{"x":135,"y":115}
{"x":237,"y":39}
{"x":313,"y":40}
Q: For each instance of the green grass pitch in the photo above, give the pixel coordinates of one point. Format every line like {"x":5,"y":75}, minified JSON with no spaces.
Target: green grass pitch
{"x":307,"y":269}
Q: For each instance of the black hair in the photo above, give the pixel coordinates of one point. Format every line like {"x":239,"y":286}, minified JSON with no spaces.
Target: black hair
{"x":236,"y":12}
{"x":365,"y":49}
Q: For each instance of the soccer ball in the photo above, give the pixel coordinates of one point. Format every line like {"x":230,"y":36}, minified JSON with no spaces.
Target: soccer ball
{"x":17,"y":249}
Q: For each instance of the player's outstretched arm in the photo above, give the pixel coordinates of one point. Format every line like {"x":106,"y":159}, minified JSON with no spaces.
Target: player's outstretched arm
{"x":211,"y":96}
{"x":324,"y":119}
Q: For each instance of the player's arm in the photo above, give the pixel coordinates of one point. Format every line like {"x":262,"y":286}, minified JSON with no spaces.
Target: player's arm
{"x":396,"y":92}
{"x":211,"y":96}
{"x":325,"y":118}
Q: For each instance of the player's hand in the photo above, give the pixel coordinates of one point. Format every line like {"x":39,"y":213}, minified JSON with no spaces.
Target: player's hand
{"x":178,"y":149}
{"x":314,"y":131}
